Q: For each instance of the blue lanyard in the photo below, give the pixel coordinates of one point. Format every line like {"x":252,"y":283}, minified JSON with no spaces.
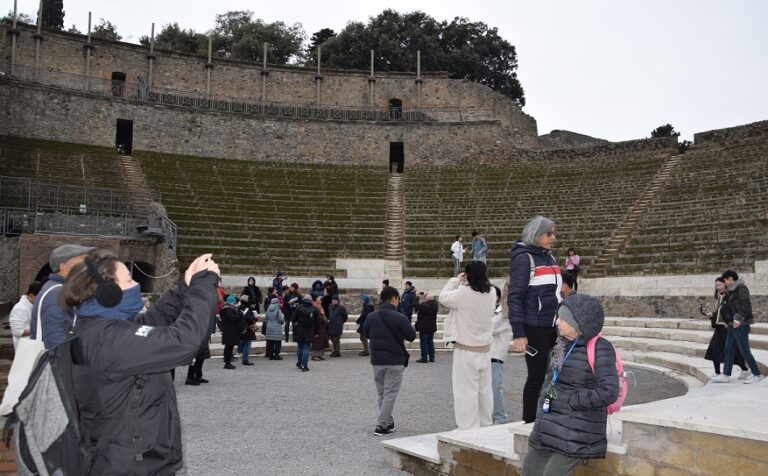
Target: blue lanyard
{"x":556,"y":373}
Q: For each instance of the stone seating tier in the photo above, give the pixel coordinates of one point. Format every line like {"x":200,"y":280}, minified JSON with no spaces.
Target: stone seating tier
{"x":682,"y":435}
{"x":259,"y":217}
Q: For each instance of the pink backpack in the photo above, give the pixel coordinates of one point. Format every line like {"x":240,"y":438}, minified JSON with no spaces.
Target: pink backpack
{"x":623,"y":380}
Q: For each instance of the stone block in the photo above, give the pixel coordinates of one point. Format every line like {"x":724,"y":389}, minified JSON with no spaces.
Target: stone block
{"x":716,"y":463}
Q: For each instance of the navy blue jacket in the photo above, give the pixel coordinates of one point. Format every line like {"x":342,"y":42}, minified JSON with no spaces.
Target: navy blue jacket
{"x":532,"y":302}
{"x":407,"y":301}
{"x":385,"y":347}
{"x":56,"y":320}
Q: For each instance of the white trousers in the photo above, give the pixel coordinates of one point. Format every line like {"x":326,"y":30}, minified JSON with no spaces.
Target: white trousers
{"x":472,"y":394}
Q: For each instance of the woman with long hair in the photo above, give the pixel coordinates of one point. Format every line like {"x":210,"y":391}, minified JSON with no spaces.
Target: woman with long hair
{"x":123,"y":357}
{"x":716,"y":349}
{"x":471,"y":302}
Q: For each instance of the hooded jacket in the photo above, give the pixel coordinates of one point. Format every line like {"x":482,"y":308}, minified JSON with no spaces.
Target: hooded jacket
{"x":575,"y":424}
{"x":307,"y":324}
{"x":275,"y":319}
{"x":532,"y":301}
{"x":337,"y":316}
{"x":739,"y":303}
{"x":111,"y":357}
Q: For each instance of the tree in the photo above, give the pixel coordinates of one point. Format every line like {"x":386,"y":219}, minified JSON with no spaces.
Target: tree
{"x":73,"y":29}
{"x":237,"y":35}
{"x":20,"y":18}
{"x":318,"y":39}
{"x":106,"y":31}
{"x":667,"y":130}
{"x":53,"y":14}
{"x":173,"y":37}
{"x":465,"y":49}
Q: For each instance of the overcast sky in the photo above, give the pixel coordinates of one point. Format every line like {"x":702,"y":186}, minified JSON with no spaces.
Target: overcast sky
{"x":613,"y":69}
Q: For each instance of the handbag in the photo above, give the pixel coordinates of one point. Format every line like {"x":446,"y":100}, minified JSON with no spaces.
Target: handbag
{"x":27,"y":352}
{"x":263,"y":327}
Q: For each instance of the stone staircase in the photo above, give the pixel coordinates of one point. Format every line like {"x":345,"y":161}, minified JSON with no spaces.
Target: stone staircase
{"x":134,"y":179}
{"x":618,"y":241}
{"x":682,"y":435}
{"x":395,"y":219}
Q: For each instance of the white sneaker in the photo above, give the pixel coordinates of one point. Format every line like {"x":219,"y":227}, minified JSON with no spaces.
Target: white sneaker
{"x":722,"y":378}
{"x":745,"y":374}
{"x":712,"y":376}
{"x":754,"y":378}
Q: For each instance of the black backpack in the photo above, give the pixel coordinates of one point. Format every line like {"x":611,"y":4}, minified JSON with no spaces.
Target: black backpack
{"x":44,"y":424}
{"x":48,"y":436}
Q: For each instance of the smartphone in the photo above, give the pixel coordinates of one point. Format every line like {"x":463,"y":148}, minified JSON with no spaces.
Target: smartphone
{"x":531,"y":351}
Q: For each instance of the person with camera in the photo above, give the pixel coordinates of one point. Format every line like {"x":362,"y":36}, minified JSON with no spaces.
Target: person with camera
{"x":572,"y":262}
{"x":471,"y":301}
{"x":738,"y":315}
{"x":426,"y":325}
{"x":716,"y":349}
{"x":122,"y":359}
{"x":532,"y":300}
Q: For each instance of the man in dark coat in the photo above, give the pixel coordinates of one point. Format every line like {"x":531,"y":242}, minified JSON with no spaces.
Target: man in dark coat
{"x":572,"y":408}
{"x":426,"y":326}
{"x":232,"y":324}
{"x":387,"y":329}
{"x":306,"y":328}
{"x":336,"y":319}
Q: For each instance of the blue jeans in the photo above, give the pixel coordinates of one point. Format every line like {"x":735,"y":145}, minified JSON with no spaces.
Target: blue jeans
{"x":427,"y":344}
{"x":499,"y":413}
{"x":739,"y":337}
{"x":244,"y":348}
{"x":302,"y":353}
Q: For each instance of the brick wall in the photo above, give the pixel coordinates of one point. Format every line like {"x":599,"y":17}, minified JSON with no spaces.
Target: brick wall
{"x":44,"y":113}
{"x":35,"y":249}
{"x":64,"y":52}
{"x":9,"y":263}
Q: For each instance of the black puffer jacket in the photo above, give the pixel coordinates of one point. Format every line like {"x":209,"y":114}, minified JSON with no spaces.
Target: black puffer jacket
{"x":575,"y":424}
{"x":111,"y":356}
{"x":307,"y":323}
{"x":426,"y":316}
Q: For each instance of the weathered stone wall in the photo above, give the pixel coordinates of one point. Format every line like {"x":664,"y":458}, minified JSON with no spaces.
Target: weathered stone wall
{"x":755,"y":130}
{"x":625,"y":150}
{"x":9,"y":263}
{"x":35,"y":249}
{"x":43,"y":113}
{"x":64,"y":52}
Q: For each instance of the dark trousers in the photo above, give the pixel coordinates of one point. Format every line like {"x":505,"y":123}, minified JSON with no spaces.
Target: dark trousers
{"x":336,"y":340}
{"x":287,"y":328}
{"x":575,"y":274}
{"x":273,"y":348}
{"x":739,"y":338}
{"x":228,"y":351}
{"x":195,"y":370}
{"x":541,"y":339}
{"x":548,"y":463}
{"x":427,"y":345}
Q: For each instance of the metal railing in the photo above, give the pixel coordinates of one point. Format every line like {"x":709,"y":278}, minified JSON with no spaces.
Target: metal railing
{"x":25,"y":192}
{"x":30,"y":206}
{"x":240,"y":105}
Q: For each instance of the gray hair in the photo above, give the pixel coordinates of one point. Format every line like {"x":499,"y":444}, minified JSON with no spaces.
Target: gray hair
{"x":535,"y":228}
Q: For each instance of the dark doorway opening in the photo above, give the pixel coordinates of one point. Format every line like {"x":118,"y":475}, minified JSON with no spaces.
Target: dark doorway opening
{"x":118,"y":84}
{"x":42,"y":275}
{"x":124,"y":136}
{"x":141,"y":272}
{"x":395,"y":109}
{"x":396,"y":157}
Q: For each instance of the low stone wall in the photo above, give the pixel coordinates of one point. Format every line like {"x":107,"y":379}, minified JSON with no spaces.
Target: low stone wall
{"x":755,"y":130}
{"x":672,"y":296}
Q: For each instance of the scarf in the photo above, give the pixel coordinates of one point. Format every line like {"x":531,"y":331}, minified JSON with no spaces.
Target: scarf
{"x":128,"y":307}
{"x":558,"y":353}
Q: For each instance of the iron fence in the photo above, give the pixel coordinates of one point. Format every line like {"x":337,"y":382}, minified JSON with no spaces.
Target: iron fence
{"x":127,"y":90}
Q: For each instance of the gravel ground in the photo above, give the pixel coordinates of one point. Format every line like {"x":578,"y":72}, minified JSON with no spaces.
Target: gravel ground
{"x":272,"y":418}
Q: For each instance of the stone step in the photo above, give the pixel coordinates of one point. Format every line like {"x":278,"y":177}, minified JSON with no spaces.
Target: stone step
{"x":696,"y":336}
{"x":348,"y":345}
{"x":674,"y":323}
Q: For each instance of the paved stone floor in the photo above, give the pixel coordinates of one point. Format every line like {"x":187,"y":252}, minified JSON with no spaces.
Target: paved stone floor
{"x":274,"y":419}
